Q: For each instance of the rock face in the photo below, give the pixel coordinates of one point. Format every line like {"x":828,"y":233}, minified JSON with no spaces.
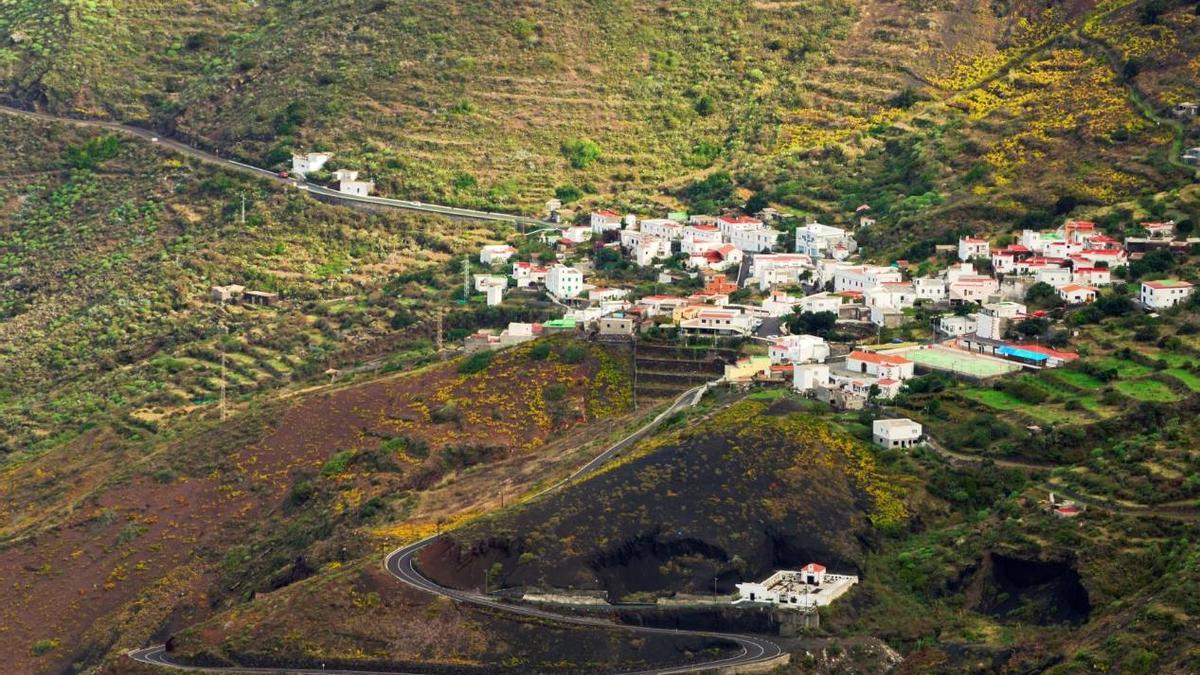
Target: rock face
{"x":745,"y":493}
{"x":1028,"y":590}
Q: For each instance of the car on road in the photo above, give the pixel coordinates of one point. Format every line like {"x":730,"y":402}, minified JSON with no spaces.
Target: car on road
{"x":154,"y":139}
{"x":283,"y":174}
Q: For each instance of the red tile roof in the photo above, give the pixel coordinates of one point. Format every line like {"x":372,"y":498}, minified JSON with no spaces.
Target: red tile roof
{"x":813,"y":567}
{"x":872,"y":357}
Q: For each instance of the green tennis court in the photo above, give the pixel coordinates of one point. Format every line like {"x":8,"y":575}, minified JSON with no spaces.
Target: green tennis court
{"x":955,"y":361}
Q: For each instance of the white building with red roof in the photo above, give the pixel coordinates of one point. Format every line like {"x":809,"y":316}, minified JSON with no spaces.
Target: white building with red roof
{"x":890,"y":366}
{"x":730,"y":224}
{"x":1092,"y":276}
{"x":1077,"y":294}
{"x":605,"y":221}
{"x":810,"y":586}
{"x":973,"y":247}
{"x":1160,"y":230}
{"x":1165,"y":293}
{"x":496,"y":253}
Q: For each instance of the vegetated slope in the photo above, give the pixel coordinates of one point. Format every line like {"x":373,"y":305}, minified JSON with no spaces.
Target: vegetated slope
{"x":109,"y":541}
{"x":748,"y":491}
{"x":361,"y":616}
{"x":108,"y":248}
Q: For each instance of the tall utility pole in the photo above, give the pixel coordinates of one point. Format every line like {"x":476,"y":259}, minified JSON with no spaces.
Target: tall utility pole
{"x":243,"y":208}
{"x":222,"y":381}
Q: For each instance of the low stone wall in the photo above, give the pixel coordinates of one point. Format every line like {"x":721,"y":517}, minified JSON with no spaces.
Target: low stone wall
{"x":564,"y":599}
{"x":760,"y":667}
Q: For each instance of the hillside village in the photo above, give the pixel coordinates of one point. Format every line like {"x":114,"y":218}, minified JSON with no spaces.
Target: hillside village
{"x":826,"y":320}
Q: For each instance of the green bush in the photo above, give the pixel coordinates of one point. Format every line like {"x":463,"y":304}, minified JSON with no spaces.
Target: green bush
{"x":43,"y":647}
{"x":476,"y":363}
{"x":574,"y":354}
{"x":580,"y":152}
{"x":337,"y":464}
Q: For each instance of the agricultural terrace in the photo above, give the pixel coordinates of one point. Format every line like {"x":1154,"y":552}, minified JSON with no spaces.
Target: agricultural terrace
{"x":1073,"y":418}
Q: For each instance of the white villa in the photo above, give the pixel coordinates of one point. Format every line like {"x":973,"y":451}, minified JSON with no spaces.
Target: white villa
{"x":564,"y":282}
{"x":900,"y":432}
{"x":819,"y":241}
{"x":1165,"y":293}
{"x":810,"y":586}
{"x":496,"y":253}
{"x":799,"y":349}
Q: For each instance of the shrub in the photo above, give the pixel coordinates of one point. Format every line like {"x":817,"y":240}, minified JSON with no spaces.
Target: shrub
{"x":574,"y":354}
{"x":42,"y":647}
{"x":580,"y":152}
{"x":476,"y":363}
{"x":567,"y":193}
{"x":539,"y":351}
{"x":337,"y":464}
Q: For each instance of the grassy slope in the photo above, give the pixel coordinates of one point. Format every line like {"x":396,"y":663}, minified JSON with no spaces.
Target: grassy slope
{"x":104,"y":278}
{"x":109,"y":540}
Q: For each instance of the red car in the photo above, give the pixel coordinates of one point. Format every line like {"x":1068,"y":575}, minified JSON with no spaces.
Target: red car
{"x":283,"y":174}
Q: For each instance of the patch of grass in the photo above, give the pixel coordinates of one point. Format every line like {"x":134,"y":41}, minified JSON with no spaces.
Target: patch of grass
{"x":1187,"y":377}
{"x":1150,"y":391}
{"x":1076,"y":378}
{"x":1125,"y":369}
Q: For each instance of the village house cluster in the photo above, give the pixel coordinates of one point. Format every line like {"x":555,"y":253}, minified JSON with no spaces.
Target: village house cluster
{"x":977,"y":301}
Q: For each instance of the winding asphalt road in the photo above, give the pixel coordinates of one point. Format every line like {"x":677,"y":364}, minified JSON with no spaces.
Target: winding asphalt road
{"x":241,"y":167}
{"x":399,"y":563}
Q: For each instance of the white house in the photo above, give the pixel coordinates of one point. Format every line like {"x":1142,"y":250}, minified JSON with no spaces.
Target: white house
{"x":696,"y":234}
{"x":880,"y":365}
{"x":663,"y":227}
{"x":929,"y":288}
{"x":649,"y":249}
{"x":1076,"y":294}
{"x":707,"y":320}
{"x":495,"y":294}
{"x":1092,"y":276}
{"x":860,"y":278}
{"x":780,"y":304}
{"x":799,"y":349}
{"x":496,"y":253}
{"x":809,"y":376}
{"x":955,"y":326}
{"x":605,"y":221}
{"x":972,"y":289}
{"x":1160,"y":230}
{"x":810,"y":586}
{"x":754,"y":239}
{"x":993,"y":319}
{"x":727,"y":225}
{"x":659,"y":305}
{"x":959,"y":270}
{"x":564,"y":281}
{"x":773,"y":269}
{"x":482,"y":281}
{"x":360,"y":188}
{"x":1054,"y":276}
{"x":525,"y":274}
{"x":1165,"y":293}
{"x":900,"y":432}
{"x":309,"y":162}
{"x":892,"y":295}
{"x":821,"y":302}
{"x":607,"y":294}
{"x":818,"y":241}
{"x":970,"y":248}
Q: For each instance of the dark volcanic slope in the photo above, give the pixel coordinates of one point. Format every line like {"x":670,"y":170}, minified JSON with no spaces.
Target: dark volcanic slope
{"x":749,"y":491}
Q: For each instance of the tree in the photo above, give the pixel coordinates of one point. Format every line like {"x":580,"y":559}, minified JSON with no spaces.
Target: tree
{"x":757,"y":202}
{"x":1042,"y":296}
{"x":1033,"y":326}
{"x":820,"y":324}
{"x":705,"y":106}
{"x":580,"y":152}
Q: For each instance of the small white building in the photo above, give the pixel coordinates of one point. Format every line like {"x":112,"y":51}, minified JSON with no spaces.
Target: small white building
{"x":616,"y":325}
{"x":1077,"y":294}
{"x":970,"y":248}
{"x":605,"y":221}
{"x":821,"y":302}
{"x":955,"y":326}
{"x":1053,"y":276}
{"x":359,"y":188}
{"x":900,"y":432}
{"x":810,"y":586}
{"x":799,"y":349}
{"x":889,"y":366}
{"x":1092,"y":276}
{"x":496,"y":253}
{"x":527,"y":274}
{"x":607,"y":294}
{"x":860,"y":278}
{"x":1165,"y":293}
{"x":564,"y":282}
{"x":730,"y":224}
{"x":929,"y":288}
{"x":818,"y":241}
{"x":975,"y":288}
{"x":663,"y":227}
{"x":755,"y":240}
{"x":309,"y":162}
{"x":808,"y":376}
